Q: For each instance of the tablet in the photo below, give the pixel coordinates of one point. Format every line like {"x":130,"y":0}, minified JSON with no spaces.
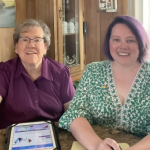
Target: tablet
{"x":33,"y":135}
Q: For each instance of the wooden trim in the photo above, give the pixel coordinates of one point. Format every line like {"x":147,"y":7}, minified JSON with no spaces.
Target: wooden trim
{"x":55,"y":31}
{"x":59,"y":29}
{"x":81,"y":39}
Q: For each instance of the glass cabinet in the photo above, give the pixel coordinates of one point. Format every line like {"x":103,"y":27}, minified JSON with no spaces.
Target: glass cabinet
{"x":70,"y":28}
{"x":70,"y":36}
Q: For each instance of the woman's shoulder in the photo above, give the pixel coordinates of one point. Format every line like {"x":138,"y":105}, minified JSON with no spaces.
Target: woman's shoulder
{"x":8,"y":68}
{"x":147,"y":64}
{"x":9,"y":64}
{"x":53,"y":63}
{"x":55,"y":66}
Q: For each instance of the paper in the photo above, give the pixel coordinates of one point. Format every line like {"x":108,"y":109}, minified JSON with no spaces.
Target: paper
{"x":124,"y":146}
{"x":77,"y":146}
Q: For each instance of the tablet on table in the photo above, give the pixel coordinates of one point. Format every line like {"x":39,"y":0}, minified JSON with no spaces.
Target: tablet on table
{"x":32,"y":135}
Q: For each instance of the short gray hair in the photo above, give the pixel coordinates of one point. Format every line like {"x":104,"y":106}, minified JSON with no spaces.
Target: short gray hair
{"x":30,"y":23}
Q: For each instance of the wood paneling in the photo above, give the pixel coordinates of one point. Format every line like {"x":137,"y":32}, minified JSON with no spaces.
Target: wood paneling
{"x":105,"y":20}
{"x":92,"y":18}
{"x":21,"y":8}
{"x":46,"y":11}
{"x":30,"y":9}
{"x":25,"y":9}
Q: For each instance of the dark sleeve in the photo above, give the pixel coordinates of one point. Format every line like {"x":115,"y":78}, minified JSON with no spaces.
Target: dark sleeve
{"x":67,"y":88}
{"x":3,"y":80}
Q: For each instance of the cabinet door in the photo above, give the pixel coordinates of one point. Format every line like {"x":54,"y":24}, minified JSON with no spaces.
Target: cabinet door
{"x":70,"y":35}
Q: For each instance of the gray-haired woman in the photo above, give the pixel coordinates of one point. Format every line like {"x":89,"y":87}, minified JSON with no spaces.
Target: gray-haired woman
{"x":33,"y":86}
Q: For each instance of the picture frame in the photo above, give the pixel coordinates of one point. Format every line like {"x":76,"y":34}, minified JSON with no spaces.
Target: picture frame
{"x":7,"y":13}
{"x":107,"y":6}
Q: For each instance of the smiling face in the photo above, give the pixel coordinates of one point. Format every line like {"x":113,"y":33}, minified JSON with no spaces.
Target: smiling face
{"x":32,"y":53}
{"x":123,"y":45}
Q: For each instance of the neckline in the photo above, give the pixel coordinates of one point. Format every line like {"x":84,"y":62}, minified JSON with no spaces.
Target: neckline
{"x":113,"y":85}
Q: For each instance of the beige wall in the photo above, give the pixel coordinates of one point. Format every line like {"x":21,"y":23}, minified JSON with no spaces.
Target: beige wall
{"x":6,"y":44}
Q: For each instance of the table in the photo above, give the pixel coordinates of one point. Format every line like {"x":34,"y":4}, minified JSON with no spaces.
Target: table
{"x":66,"y":139}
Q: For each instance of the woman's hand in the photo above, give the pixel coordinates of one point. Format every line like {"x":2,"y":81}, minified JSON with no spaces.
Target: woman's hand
{"x":107,"y":144}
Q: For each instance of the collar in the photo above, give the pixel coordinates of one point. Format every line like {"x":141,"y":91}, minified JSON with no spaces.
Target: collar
{"x":45,"y":70}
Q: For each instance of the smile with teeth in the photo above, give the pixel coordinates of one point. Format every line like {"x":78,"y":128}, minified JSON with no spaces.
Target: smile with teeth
{"x":123,"y":54}
{"x":30,"y":53}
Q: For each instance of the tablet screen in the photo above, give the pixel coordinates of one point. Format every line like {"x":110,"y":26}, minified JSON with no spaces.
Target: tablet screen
{"x":31,"y":137}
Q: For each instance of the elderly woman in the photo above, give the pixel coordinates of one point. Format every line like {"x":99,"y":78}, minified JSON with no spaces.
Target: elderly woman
{"x":114,"y":93}
{"x":32,"y":86}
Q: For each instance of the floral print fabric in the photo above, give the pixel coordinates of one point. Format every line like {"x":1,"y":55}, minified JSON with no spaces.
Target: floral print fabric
{"x":97,"y":100}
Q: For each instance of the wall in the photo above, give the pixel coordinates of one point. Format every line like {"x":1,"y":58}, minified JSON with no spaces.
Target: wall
{"x":6,"y":44}
{"x":97,"y":24}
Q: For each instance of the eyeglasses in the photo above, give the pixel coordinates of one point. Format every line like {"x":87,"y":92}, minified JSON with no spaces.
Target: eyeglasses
{"x":26,"y":40}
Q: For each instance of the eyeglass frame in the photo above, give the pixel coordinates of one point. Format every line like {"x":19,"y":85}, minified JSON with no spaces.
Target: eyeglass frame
{"x":32,"y":39}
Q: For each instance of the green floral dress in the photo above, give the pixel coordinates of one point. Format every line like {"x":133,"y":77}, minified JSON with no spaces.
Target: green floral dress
{"x":97,"y":100}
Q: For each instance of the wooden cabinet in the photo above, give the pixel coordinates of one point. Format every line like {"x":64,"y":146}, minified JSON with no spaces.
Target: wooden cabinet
{"x":70,"y":35}
{"x":65,"y":19}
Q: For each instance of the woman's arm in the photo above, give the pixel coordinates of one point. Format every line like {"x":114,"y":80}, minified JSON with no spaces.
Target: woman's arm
{"x":84,"y":133}
{"x":66,"y":105}
{"x":144,"y":144}
{"x":0,"y":99}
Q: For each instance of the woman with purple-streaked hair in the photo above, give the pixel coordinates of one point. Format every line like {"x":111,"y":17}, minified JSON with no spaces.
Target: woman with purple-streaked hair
{"x":114,"y":93}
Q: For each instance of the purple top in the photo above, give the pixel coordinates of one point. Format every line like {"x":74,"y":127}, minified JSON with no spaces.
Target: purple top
{"x":25,"y":100}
